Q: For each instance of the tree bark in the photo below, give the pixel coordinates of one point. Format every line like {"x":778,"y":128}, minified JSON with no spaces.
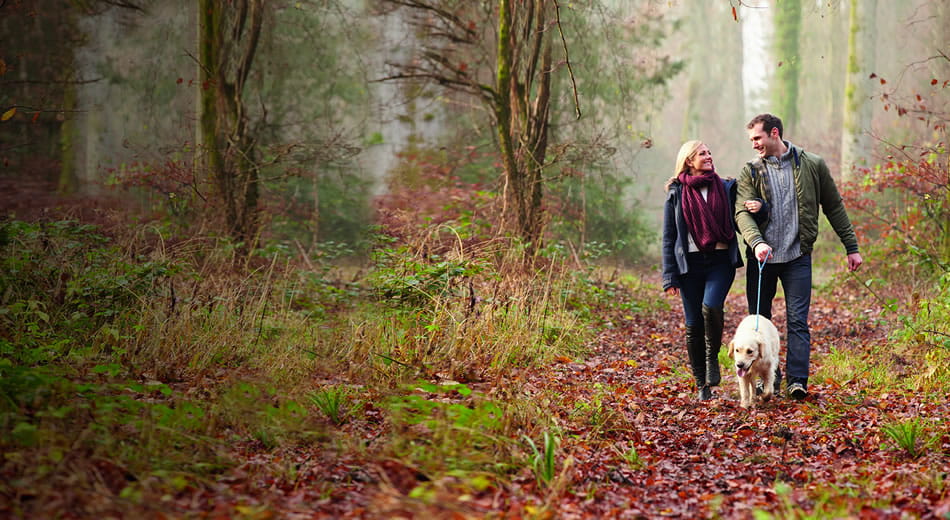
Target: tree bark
{"x":788,"y":18}
{"x":68,"y":176}
{"x":229,"y":34}
{"x":522,"y":113}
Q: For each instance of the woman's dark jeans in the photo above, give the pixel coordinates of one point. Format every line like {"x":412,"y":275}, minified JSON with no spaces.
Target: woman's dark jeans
{"x":796,"y":282}
{"x":707,"y":282}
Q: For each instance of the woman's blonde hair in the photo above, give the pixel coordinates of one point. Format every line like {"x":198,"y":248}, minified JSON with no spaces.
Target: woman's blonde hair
{"x":686,"y":154}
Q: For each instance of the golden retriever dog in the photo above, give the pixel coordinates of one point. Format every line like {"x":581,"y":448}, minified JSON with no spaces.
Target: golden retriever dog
{"x":756,"y":355}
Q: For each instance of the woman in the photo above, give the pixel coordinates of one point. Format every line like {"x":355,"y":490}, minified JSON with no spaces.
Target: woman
{"x":701,"y":254}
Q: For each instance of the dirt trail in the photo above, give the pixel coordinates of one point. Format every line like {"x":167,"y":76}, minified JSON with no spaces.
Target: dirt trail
{"x":699,"y":458}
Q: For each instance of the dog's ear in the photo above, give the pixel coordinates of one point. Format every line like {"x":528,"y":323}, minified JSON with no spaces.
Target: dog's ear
{"x":731,"y":355}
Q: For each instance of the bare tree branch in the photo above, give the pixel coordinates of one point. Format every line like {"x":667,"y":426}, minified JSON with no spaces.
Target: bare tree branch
{"x":567,"y":59}
{"x":441,"y":13}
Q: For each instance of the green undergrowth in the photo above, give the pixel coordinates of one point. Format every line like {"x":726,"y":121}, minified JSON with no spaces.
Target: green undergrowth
{"x":914,"y":354}
{"x":893,"y":375}
{"x":167,"y":360}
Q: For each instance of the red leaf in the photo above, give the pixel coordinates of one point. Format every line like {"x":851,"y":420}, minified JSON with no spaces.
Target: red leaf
{"x":872,"y":76}
{"x":883,"y":81}
{"x":933,"y":81}
{"x":734,"y":16}
{"x":179,"y":81}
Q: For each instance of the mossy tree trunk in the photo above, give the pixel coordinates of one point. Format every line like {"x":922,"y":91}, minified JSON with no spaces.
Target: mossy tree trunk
{"x":942,"y":69}
{"x":788,"y":21}
{"x":855,"y":137}
{"x":519,"y":98}
{"x":68,"y":134}
{"x":229,"y":32}
{"x":522,"y":112}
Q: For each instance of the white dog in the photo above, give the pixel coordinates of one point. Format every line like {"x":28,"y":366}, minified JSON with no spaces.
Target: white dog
{"x":756,"y":355}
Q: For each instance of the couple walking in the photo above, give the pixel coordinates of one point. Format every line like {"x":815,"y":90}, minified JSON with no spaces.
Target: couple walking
{"x":774,"y":206}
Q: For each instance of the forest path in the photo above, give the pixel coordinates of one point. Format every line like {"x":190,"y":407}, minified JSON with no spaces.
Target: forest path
{"x":699,"y":459}
{"x":640,"y":445}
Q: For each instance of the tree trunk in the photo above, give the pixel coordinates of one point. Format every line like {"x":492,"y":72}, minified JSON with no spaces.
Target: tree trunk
{"x":68,"y":176}
{"x":209,"y":42}
{"x":941,"y":69}
{"x":855,"y":137}
{"x":229,"y":149}
{"x":69,"y":133}
{"x":521,"y":118}
{"x":502,"y":110}
{"x":519,"y":98}
{"x":788,"y":18}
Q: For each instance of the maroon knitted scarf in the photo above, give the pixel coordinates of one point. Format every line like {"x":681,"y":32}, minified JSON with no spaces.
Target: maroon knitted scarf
{"x":709,"y":220}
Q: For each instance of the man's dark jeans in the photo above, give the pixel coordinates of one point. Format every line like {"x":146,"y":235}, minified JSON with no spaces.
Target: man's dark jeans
{"x":796,"y":282}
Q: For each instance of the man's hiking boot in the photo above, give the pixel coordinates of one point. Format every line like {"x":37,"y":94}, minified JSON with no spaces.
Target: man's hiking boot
{"x":797,"y":391}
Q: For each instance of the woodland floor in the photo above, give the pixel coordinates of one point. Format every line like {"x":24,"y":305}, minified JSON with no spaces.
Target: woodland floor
{"x":710,"y":459}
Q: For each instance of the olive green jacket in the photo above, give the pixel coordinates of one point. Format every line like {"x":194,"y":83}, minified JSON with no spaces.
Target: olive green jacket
{"x":814,"y":187}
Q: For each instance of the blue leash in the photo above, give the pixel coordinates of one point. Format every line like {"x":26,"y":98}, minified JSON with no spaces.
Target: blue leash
{"x":758,"y":292}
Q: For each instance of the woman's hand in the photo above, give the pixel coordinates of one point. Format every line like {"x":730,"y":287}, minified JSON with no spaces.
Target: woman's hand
{"x":673,"y":291}
{"x":753,"y":205}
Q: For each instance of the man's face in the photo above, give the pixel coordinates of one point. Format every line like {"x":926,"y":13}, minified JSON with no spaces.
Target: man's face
{"x":765,"y":144}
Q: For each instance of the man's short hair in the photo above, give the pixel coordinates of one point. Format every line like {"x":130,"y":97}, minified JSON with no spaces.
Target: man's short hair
{"x":768,"y":123}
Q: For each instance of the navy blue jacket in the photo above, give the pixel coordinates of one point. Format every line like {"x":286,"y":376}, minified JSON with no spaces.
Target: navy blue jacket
{"x":675,"y":234}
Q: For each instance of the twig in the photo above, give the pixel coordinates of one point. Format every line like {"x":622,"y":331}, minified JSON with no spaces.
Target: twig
{"x":567,"y":59}
{"x":936,"y":332}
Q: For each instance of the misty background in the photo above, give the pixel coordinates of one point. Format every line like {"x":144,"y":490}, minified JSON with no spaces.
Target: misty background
{"x":106,"y":96}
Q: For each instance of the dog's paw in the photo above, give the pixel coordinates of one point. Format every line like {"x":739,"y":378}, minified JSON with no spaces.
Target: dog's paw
{"x":766,"y":397}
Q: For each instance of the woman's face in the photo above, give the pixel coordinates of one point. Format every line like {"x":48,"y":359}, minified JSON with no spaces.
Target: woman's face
{"x":702,"y":160}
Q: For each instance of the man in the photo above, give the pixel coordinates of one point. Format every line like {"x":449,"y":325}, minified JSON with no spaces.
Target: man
{"x":794,"y":184}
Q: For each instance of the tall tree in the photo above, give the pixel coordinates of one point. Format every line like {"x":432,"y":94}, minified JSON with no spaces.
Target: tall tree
{"x":518,"y":95}
{"x":788,"y":18}
{"x":229,"y":32}
{"x":522,"y":116}
{"x":855,"y":136}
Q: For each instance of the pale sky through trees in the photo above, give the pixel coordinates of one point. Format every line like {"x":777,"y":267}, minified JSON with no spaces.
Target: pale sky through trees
{"x":757,"y":35}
